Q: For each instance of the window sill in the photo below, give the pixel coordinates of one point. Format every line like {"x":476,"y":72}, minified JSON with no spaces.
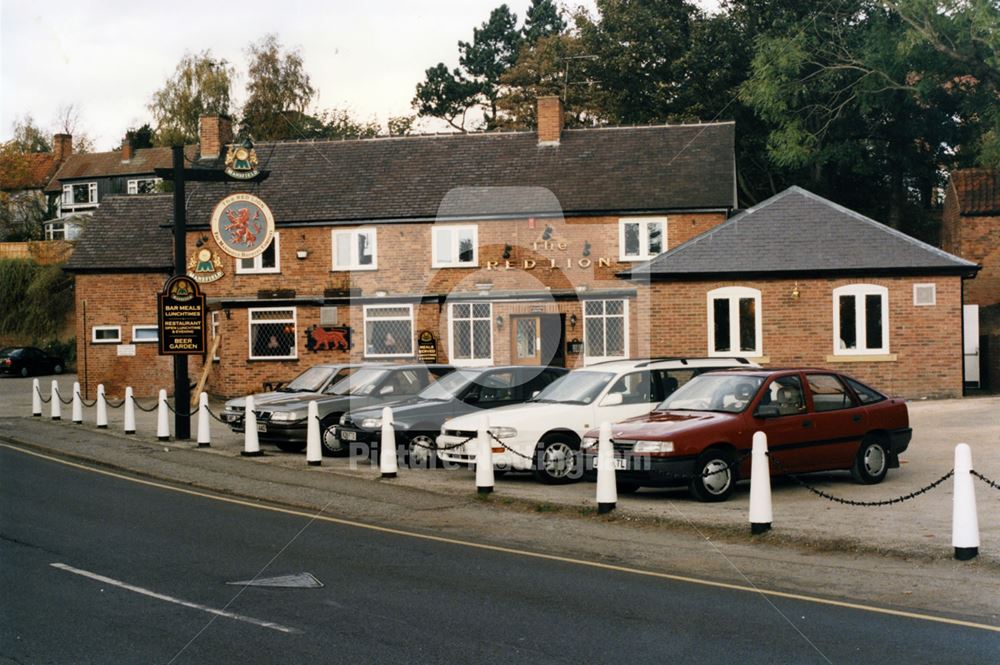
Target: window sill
{"x":355,"y":269}
{"x":441,"y":266}
{"x":864,"y":358}
{"x":272,"y":359}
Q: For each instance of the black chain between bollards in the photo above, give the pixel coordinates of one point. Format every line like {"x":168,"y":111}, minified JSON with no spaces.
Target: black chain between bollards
{"x":995,"y":485}
{"x":865,"y":504}
{"x":173,"y":410}
{"x":508,"y":448}
{"x":142,"y":408}
{"x":115,"y":406}
{"x":64,"y":401}
{"x":90,"y":404}
{"x":218,"y":418}
{"x":45,"y":400}
{"x":452,"y":446}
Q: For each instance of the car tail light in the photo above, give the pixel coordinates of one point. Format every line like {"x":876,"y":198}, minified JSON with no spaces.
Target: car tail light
{"x":6,"y":361}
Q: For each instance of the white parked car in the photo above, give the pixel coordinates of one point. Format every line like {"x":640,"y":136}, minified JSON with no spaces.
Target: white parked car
{"x":543,"y":435}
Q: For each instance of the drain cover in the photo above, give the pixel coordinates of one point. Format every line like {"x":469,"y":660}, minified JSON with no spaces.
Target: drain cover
{"x":299,"y":581}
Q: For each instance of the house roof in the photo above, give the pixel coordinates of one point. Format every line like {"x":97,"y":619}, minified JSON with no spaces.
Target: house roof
{"x":797,"y":232}
{"x":676,"y":167}
{"x":978,"y":191}
{"x":27,"y":170}
{"x":103,"y":164}
{"x":125,"y":234}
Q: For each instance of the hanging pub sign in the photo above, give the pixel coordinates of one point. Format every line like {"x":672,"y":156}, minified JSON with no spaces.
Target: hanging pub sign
{"x":180,"y":315}
{"x":241,"y":161}
{"x":204,"y":266}
{"x":427,"y":347}
{"x":243,"y":225}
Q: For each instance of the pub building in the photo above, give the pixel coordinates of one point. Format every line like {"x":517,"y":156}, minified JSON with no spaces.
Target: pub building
{"x":557,"y":246}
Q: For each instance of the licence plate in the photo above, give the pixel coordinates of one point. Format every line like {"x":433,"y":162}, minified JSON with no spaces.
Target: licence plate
{"x":347,"y":435}
{"x":261,"y":427}
{"x":621,"y":464}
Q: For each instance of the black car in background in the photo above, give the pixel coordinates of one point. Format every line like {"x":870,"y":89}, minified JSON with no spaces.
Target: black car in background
{"x":28,"y":360}
{"x":418,"y":421}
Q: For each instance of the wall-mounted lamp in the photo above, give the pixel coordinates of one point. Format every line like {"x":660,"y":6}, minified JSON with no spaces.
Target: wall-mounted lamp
{"x":229,"y":315}
{"x":499,"y":321}
{"x":572,"y":321}
{"x":795,"y":291}
{"x":302,"y":253}
{"x":381,"y":294}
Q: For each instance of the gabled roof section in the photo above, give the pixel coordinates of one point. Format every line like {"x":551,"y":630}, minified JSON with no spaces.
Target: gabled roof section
{"x":26,"y":170}
{"x":105,"y":164}
{"x":797,"y":232}
{"x":599,"y":170}
{"x":125,"y":234}
{"x":978,"y":191}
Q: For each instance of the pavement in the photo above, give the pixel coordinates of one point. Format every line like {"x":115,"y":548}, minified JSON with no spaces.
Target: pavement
{"x":919,"y":528}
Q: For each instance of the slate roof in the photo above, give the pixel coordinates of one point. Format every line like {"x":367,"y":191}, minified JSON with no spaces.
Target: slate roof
{"x":797,"y":232}
{"x":105,"y":164}
{"x":126,"y":234}
{"x":978,"y":191}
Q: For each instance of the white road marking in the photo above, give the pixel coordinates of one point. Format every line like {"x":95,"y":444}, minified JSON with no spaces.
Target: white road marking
{"x":176,"y":601}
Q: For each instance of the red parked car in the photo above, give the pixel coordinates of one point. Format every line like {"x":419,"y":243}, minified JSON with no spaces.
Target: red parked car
{"x":815,"y":420}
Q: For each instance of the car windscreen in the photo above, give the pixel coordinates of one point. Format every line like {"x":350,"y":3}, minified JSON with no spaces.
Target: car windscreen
{"x":580,"y":387}
{"x":713,"y":392}
{"x":450,"y":385}
{"x":362,"y":382}
{"x":309,"y":381}
{"x":8,"y":352}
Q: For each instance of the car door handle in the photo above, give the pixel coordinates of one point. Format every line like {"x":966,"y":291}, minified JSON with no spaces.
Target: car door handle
{"x":807,"y":423}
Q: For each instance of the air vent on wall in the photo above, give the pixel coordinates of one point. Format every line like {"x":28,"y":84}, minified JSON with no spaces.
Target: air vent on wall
{"x":328,"y":316}
{"x":924,"y":294}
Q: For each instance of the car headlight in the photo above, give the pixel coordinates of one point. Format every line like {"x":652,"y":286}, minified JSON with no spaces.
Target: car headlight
{"x":589,"y":442}
{"x":372,"y":423}
{"x":653,"y":447}
{"x":503,"y":432}
{"x":287,"y":416}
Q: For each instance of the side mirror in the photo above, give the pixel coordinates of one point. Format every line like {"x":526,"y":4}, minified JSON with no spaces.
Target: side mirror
{"x":471,"y":398}
{"x":613,"y":399}
{"x":535,"y":394}
{"x":387,"y":390}
{"x":767,"y":411}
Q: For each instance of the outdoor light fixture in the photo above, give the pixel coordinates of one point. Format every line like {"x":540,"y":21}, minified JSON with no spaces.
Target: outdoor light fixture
{"x":572,"y":321}
{"x":229,"y":315}
{"x":499,"y":321}
{"x":302,"y":253}
{"x":795,"y":291}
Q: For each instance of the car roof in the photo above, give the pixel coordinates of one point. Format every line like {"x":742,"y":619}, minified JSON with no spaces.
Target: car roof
{"x":668,"y":363}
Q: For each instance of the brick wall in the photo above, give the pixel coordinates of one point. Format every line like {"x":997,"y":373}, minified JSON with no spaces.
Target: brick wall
{"x":926,"y":341}
{"x":975,"y":238}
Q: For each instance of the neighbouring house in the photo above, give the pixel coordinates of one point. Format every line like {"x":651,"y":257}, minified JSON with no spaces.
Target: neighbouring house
{"x":971,"y":229}
{"x":520,"y":247}
{"x":23,"y":179}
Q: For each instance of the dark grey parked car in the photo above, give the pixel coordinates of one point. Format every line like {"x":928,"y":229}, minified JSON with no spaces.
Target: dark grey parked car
{"x":418,"y":421}
{"x":283,"y":422}
{"x":314,"y":381}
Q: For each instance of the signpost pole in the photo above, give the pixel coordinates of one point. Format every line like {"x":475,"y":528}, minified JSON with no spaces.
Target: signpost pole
{"x":182,"y":392}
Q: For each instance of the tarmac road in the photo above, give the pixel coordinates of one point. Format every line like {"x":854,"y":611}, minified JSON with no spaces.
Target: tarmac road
{"x":141,"y":569}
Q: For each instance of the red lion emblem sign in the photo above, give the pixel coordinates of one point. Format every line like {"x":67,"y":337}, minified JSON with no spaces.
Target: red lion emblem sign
{"x":243,"y":225}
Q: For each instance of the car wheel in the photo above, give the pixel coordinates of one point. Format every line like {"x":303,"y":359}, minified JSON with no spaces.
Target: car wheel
{"x":290,"y":446}
{"x":421,"y":452}
{"x":57,"y":369}
{"x":24,"y":371}
{"x":714,"y":475}
{"x":332,"y":446}
{"x":872,"y":461}
{"x":557,"y":461}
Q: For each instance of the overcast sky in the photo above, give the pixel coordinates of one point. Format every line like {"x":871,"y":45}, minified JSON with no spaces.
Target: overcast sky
{"x":107,"y":58}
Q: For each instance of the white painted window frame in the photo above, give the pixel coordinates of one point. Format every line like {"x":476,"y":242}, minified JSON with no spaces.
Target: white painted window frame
{"x":733,"y":294}
{"x":93,"y":335}
{"x":258,"y":261}
{"x":468,"y":362}
{"x":295,"y":335}
{"x":644,"y":254}
{"x":135,"y":337}
{"x":355,"y":257}
{"x":859,"y":291}
{"x":409,"y":317}
{"x":590,"y":360}
{"x":133,"y":184}
{"x":67,"y":195}
{"x":455,"y":231}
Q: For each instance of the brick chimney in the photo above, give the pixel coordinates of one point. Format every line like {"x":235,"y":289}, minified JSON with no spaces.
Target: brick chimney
{"x":214,"y":133}
{"x":62,"y":146}
{"x":127,"y":150}
{"x":550,"y":120}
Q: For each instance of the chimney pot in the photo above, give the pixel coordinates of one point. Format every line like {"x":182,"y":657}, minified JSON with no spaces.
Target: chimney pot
{"x":214,"y":132}
{"x":127,"y":149}
{"x":550,"y":120}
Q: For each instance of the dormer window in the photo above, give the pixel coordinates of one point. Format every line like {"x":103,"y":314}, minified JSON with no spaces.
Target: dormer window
{"x":143,"y":185}
{"x":82,"y":193}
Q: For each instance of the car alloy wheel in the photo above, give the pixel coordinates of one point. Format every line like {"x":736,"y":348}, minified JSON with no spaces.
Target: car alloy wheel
{"x":557,"y":462}
{"x":332,"y":445}
{"x":24,"y":371}
{"x":58,"y":369}
{"x":420,"y":451}
{"x":714,"y":476}
{"x":872,"y":461}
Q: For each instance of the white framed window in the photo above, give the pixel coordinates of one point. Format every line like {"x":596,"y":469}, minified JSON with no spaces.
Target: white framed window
{"x":860,"y":320}
{"x":355,"y":249}
{"x":272,"y":333}
{"x":55,"y":231}
{"x":268,"y":261}
{"x":143,"y":185}
{"x":454,"y":246}
{"x":641,"y":238}
{"x":106,"y":334}
{"x":470,"y":340}
{"x":924,"y":295}
{"x":734,"y":322}
{"x":142,"y":334}
{"x":605,"y":330}
{"x":215,"y":332}
{"x":81,"y":193}
{"x":388,"y":331}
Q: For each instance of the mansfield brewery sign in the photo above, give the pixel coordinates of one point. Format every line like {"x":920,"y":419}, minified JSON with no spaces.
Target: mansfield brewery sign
{"x":181,"y":317}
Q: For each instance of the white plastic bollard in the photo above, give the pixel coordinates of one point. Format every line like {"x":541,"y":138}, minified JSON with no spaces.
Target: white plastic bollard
{"x":36,"y":398}
{"x":102,"y":408}
{"x":162,"y":417}
{"x":204,"y":430}
{"x":56,"y":411}
{"x":129,"y":411}
{"x":251,"y":446}
{"x":77,"y":404}
{"x":314,"y":453}
{"x":484,"y":457}
{"x":964,"y":520}
{"x":761,"y":514}
{"x":607,"y":487}
{"x":387,"y":446}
